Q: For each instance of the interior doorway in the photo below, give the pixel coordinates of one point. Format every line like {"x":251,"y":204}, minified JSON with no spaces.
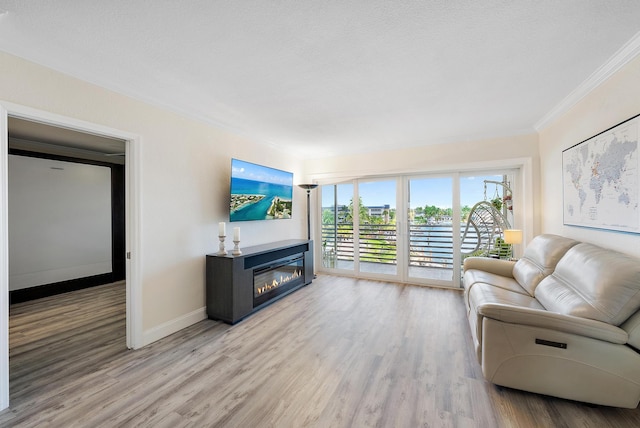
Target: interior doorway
{"x":131,"y":165}
{"x":66,"y":210}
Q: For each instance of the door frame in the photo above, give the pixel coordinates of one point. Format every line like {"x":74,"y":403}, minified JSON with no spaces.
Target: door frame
{"x":132,"y":224}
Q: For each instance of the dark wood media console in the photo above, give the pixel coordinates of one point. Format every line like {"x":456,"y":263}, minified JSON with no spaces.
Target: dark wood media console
{"x":233,"y":292}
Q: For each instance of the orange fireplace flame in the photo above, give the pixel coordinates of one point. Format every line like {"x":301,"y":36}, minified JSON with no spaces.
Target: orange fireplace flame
{"x":275,"y":283}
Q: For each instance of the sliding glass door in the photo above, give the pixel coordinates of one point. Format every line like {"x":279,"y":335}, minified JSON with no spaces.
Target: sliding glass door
{"x":415,"y":229}
{"x":338,"y":251}
{"x":377,"y":233}
{"x":430,"y":229}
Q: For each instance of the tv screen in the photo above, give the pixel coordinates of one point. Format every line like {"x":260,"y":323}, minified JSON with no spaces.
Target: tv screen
{"x":259,"y":192}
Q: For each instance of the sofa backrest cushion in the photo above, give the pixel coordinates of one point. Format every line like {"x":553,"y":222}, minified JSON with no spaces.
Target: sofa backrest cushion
{"x":540,"y":259}
{"x":593,"y":282}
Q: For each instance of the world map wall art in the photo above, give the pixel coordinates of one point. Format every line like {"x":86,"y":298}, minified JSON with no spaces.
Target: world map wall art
{"x":600,"y":180}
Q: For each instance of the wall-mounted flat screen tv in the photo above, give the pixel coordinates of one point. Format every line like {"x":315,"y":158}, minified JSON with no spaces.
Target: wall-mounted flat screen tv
{"x":259,"y":192}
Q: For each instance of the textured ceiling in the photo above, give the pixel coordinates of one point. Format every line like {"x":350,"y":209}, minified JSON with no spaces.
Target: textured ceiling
{"x":326,"y":77}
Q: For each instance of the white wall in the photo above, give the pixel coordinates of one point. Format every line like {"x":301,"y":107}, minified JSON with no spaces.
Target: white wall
{"x":615,"y":100}
{"x":184,"y":184}
{"x":504,"y":152}
{"x":59,"y":221}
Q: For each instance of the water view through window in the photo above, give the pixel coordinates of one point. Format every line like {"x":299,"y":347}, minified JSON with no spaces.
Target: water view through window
{"x":430,"y":218}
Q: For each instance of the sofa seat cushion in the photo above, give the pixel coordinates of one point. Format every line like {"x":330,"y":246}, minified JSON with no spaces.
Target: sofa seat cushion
{"x":540,"y":259}
{"x":554,"y":321}
{"x":472,"y":277}
{"x":488,"y":293}
{"x":593,"y":282}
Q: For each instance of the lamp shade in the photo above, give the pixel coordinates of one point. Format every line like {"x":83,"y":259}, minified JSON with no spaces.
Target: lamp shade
{"x":513,"y":236}
{"x":308,"y":186}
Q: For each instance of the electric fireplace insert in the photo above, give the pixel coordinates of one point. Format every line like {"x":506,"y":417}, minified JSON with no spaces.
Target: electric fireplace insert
{"x":277,"y":278}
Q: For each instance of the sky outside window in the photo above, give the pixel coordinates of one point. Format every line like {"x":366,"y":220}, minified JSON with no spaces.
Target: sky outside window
{"x":378,"y":193}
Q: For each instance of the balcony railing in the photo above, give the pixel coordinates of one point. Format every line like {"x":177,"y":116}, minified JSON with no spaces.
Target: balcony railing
{"x":430,"y":245}
{"x":378,"y":243}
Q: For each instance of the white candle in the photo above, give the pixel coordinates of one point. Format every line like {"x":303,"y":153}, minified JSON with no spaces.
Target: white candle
{"x":236,"y":233}
{"x":222,"y":229}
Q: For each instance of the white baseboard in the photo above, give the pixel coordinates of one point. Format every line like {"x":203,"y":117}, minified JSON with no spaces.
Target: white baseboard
{"x":170,"y":327}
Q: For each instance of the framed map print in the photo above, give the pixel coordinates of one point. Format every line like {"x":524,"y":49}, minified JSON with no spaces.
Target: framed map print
{"x":600,"y":180}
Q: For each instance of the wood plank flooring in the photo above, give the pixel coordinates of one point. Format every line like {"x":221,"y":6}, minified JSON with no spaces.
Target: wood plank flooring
{"x":340,"y":352}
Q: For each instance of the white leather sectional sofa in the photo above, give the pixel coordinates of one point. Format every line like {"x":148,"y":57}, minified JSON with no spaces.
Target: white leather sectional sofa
{"x":563,"y":321}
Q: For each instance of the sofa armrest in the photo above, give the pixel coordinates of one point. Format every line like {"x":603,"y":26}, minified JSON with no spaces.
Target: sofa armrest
{"x":495,"y":266}
{"x":553,"y":321}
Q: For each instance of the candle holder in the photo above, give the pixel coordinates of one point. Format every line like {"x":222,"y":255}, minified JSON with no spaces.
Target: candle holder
{"x":222,"y":251}
{"x":236,"y":249}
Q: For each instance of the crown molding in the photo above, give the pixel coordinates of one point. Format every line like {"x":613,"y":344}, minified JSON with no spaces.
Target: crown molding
{"x":623,"y":56}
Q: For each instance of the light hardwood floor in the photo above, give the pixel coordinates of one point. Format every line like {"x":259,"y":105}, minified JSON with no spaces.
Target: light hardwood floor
{"x":340,"y":352}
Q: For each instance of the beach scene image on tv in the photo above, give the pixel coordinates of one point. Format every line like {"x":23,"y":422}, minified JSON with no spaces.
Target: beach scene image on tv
{"x":259,"y":192}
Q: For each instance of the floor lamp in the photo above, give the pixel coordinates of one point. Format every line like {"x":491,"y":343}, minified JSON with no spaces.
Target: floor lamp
{"x":308,"y":188}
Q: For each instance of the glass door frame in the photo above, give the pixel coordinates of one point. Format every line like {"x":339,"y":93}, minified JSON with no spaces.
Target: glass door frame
{"x":455,"y":230}
{"x":521,"y":173}
{"x":358,"y":258}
